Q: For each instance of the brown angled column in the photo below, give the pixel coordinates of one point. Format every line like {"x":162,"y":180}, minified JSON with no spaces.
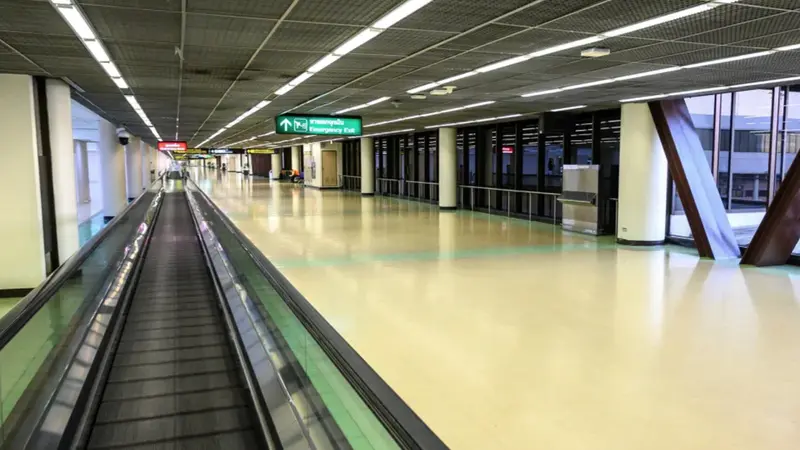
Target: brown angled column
{"x":694,"y":182}
{"x":779,"y":231}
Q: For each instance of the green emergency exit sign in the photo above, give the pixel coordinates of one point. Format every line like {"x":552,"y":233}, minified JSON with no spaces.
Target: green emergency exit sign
{"x":319,"y":125}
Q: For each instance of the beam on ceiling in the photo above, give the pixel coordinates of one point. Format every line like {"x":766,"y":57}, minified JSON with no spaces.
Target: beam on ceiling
{"x":271,"y":33}
{"x":711,"y":230}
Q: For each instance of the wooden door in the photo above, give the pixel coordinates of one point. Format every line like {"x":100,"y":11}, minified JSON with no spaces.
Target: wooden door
{"x":330,"y":169}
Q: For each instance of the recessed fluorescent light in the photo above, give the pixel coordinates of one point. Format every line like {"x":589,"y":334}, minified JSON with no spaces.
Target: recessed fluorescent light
{"x":356,"y":41}
{"x":386,"y":133}
{"x":467,"y":122}
{"x":286,"y":88}
{"x":648,"y":74}
{"x":98,"y":52}
{"x":458,"y":77}
{"x":730,"y":59}
{"x":501,"y":64}
{"x":568,"y":108}
{"x":641,"y":99}
{"x":757,"y":83}
{"x":660,"y":20}
{"x":547,"y":92}
{"x":589,"y":84}
{"x":363,"y":105}
{"x":301,"y":78}
{"x":248,"y":113}
{"x":62,"y":2}
{"x":120,"y":82}
{"x":786,"y":48}
{"x":400,"y":13}
{"x":698,"y":91}
{"x":132,"y":100}
{"x":111,"y":69}
{"x":435,"y":113}
{"x":324,"y":62}
{"x":266,"y":134}
{"x":565,"y":46}
{"x":77,"y":22}
{"x":423,"y":88}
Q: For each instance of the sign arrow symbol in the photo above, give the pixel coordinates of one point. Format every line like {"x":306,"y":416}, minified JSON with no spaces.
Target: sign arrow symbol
{"x":286,"y":123}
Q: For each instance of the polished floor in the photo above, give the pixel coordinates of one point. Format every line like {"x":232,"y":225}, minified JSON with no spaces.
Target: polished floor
{"x":505,"y":334}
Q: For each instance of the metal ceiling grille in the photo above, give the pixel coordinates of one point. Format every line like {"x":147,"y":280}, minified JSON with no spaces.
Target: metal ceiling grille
{"x":447,"y":37}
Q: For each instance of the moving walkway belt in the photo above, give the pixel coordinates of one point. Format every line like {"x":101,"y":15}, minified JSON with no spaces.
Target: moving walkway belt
{"x":174,"y":381}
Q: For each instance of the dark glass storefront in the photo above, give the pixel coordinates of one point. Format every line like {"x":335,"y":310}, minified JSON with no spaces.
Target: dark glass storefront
{"x":512,"y":168}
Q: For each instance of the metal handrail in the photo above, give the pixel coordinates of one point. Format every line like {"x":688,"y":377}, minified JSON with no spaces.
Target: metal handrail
{"x":350,"y":181}
{"x":26,"y":308}
{"x":530,"y":194}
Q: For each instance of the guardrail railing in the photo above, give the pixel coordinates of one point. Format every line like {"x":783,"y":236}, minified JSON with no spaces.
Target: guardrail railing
{"x":508,"y":199}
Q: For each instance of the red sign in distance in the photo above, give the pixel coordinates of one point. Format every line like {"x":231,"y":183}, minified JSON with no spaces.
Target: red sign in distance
{"x":172,"y":146}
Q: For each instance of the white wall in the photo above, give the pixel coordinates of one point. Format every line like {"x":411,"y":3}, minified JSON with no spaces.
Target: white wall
{"x":22,"y":262}
{"x":314,"y":151}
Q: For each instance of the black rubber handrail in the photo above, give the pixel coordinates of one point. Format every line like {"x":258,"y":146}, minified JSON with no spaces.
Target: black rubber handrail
{"x":23,"y":311}
{"x":407,"y":428}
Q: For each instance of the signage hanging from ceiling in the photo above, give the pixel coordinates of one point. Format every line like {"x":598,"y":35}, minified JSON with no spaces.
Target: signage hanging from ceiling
{"x":260,"y":151}
{"x":172,"y":146}
{"x":226,"y":151}
{"x":318,"y":125}
{"x":193,"y":151}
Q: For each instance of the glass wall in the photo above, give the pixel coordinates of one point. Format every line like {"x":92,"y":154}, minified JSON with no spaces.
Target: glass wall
{"x":743,"y":134}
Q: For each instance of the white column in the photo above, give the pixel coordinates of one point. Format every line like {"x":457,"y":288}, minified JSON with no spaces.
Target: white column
{"x":367,"y":167}
{"x":297,"y":153}
{"x":82,"y":169}
{"x":112,"y":171}
{"x":146,"y":154}
{"x":275,"y":165}
{"x":133,"y":167}
{"x":62,"y":157}
{"x":22,"y":259}
{"x":447,"y":168}
{"x":642,"y":179}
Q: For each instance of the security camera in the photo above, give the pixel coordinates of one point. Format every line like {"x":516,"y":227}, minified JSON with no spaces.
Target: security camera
{"x":123,"y":136}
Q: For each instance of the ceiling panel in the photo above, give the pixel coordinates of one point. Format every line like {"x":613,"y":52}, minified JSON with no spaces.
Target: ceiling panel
{"x":212,"y":31}
{"x":358,"y":12}
{"x":272,"y":9}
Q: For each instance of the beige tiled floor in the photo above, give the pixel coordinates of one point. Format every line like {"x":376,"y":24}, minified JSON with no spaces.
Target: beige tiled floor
{"x":504,"y":334}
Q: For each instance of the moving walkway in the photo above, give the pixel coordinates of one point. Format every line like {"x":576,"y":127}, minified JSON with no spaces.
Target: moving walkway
{"x":169,"y":330}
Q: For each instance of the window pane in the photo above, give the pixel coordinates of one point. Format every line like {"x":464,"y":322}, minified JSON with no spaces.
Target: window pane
{"x":751,"y":149}
{"x":530,"y":156}
{"x":724,"y":147}
{"x":788,"y":132}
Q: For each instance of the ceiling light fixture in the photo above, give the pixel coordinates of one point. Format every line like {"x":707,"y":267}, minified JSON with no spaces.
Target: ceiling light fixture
{"x":97,"y":50}
{"x":435,"y":113}
{"x":387,"y":133}
{"x":711,"y":89}
{"x":399,"y":13}
{"x":568,"y":108}
{"x":589,"y":40}
{"x":77,"y":22}
{"x":467,"y":122}
{"x":248,"y":113}
{"x":729,"y":59}
{"x":362,"y":106}
{"x":654,"y":72}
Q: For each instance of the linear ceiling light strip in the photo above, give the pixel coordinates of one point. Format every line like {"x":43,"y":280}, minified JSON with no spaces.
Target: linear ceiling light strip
{"x":363,"y":105}
{"x":710,"y":89}
{"x":579,"y":43}
{"x":404,"y":10}
{"x":435,"y":113}
{"x":77,"y":21}
{"x":468,"y":122}
{"x":662,"y":71}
